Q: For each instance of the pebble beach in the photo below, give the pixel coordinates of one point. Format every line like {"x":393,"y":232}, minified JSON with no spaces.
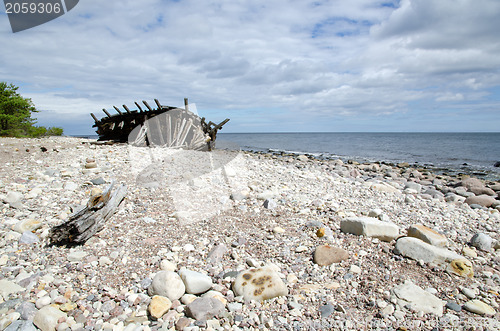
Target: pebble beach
{"x":234,"y":240}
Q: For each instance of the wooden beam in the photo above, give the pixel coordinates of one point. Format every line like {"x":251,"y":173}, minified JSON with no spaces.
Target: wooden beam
{"x":95,"y":118}
{"x":126,"y":108}
{"x":158,"y":104}
{"x":118,"y":110}
{"x":106,"y":112}
{"x":146,"y":104}
{"x":140,"y":109}
{"x":186,"y":105}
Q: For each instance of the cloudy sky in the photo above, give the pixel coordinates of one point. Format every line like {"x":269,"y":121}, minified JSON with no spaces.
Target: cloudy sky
{"x":269,"y":66}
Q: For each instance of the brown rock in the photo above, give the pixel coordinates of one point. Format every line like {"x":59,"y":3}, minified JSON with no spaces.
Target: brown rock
{"x":482,"y":200}
{"x":477,"y":187}
{"x":326,"y":255}
{"x":427,"y":234}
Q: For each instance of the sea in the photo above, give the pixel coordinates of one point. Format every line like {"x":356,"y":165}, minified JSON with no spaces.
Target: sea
{"x":447,"y":153}
{"x":450,"y":153}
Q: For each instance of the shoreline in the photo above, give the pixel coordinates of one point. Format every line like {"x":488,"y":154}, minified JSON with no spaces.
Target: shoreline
{"x":234,"y":212}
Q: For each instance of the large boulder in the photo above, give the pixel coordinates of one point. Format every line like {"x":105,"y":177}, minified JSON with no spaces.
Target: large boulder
{"x":482,"y":200}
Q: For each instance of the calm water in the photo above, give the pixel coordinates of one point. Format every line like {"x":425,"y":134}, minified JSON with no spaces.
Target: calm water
{"x":459,"y":152}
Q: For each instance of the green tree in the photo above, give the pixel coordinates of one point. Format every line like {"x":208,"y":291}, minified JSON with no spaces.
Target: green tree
{"x":15,"y":115}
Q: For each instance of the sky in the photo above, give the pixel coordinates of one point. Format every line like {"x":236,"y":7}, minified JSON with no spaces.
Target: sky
{"x":269,"y":66}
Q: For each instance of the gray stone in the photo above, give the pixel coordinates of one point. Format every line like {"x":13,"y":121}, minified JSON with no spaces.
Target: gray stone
{"x":413,"y":186}
{"x":27,"y":310}
{"x":482,"y":241}
{"x":47,"y":317}
{"x":167,"y":284}
{"x":204,"y":308}
{"x":326,"y":310}
{"x":217,"y":253}
{"x":370,"y":227}
{"x":417,"y":299}
{"x":418,"y":250}
{"x":453,"y":306}
{"x":28,"y":238}
{"x":70,"y":186}
{"x":21,"y":326}
{"x":98,"y":181}
{"x":195,"y":282}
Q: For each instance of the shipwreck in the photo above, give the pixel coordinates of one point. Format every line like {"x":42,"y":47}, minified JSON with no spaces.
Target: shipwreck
{"x":161,"y":126}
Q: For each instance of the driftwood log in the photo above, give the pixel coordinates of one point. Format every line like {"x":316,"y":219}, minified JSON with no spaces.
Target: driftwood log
{"x":86,"y":222}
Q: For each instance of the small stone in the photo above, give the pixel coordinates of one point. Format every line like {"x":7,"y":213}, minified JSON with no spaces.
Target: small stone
{"x":354,"y":269}
{"x":326,"y":255}
{"x":259,"y":284}
{"x":482,"y":242}
{"x":216,"y":295}
{"x":479,"y":307}
{"x":217,"y":253}
{"x":195,"y":282}
{"x":270,"y":204}
{"x":188,"y":248}
{"x":167,"y":284}
{"x":301,"y":249}
{"x":427,"y":235}
{"x":320,"y":233}
{"x":158,"y":306}
{"x":70,"y":186}
{"x":370,"y":227}
{"x":188,"y":298}
{"x":453,"y":306}
{"x":469,"y":252}
{"x":418,"y":299}
{"x":461,"y":267}
{"x":8,"y":287}
{"x":98,"y":181}
{"x":90,"y":165}
{"x":47,"y":318}
{"x":76,"y":256}
{"x":204,"y":308}
{"x":27,"y":225}
{"x":326,"y":310}
{"x":42,"y":302}
{"x":14,"y":199}
{"x":167,"y":265}
{"x":302,"y":158}
{"x":387,"y":311}
{"x":28,"y":238}
{"x":21,"y":326}
{"x":182,"y":323}
{"x":7,"y":320}
{"x":469,"y":293}
{"x":278,"y":230}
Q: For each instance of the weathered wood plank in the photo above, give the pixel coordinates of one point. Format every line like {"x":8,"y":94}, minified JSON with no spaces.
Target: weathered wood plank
{"x":86,"y":222}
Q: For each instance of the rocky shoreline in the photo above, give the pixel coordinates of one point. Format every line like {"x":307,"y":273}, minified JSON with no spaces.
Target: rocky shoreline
{"x":242,"y":241}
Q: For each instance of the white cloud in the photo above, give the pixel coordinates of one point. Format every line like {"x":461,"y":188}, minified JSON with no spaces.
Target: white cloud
{"x":331,"y":58}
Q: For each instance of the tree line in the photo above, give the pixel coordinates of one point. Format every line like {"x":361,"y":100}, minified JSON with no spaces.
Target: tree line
{"x":15,"y":115}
